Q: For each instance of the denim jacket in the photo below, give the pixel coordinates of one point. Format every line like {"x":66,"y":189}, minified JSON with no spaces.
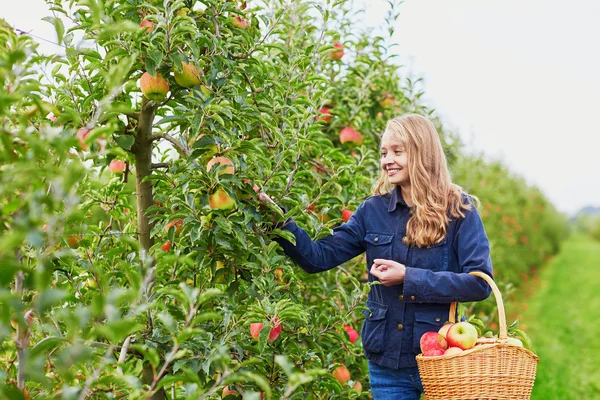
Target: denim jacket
{"x":435,"y":276}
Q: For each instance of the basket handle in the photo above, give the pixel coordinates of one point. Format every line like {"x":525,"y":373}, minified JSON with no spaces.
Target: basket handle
{"x":499,"y":303}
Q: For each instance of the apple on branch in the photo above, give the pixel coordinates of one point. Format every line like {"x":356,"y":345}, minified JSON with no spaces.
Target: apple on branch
{"x":149,"y":25}
{"x":341,"y":374}
{"x":188,"y":76}
{"x":220,"y":200}
{"x":224,"y":161}
{"x":338,"y":53}
{"x":346,"y":214}
{"x":153,"y":87}
{"x":350,"y":135}
{"x":117,"y":166}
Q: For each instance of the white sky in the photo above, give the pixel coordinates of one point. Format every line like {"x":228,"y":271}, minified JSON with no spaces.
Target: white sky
{"x":519,"y":80}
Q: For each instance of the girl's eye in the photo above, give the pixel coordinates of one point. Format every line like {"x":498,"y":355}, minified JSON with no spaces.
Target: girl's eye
{"x":383,"y":155}
{"x":398,"y":152}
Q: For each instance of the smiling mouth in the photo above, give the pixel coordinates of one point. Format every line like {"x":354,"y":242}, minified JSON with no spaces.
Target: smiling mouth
{"x":393,"y":171}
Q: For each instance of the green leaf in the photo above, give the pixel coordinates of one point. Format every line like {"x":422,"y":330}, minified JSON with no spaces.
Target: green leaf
{"x":125,"y":141}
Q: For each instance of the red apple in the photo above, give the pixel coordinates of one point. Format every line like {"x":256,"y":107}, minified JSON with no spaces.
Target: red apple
{"x":342,"y":374}
{"x":149,"y":25}
{"x":325,"y":115}
{"x":166,"y":246}
{"x":434,"y":352}
{"x":177,"y":223}
{"x":255,"y":329}
{"x":221,"y":200}
{"x":388,"y":100}
{"x":338,"y":53}
{"x":462,"y":335}
{"x":444,"y":329}
{"x":275,"y":330}
{"x":154,"y":87}
{"x":352,"y":333}
{"x":346,"y":214}
{"x":452,"y":350}
{"x":311,"y":207}
{"x":228,"y":392}
{"x":81,"y":135}
{"x":73,"y":241}
{"x":239,"y":22}
{"x":279,"y":275}
{"x":188,"y":76}
{"x":349,"y":134}
{"x":432,"y":340}
{"x":224,"y":161}
{"x":116,"y":166}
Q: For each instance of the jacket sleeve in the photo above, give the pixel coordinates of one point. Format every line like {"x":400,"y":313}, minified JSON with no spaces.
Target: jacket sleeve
{"x":473,"y":249}
{"x":328,"y":252}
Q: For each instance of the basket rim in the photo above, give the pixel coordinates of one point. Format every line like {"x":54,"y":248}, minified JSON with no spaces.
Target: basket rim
{"x":476,"y":349}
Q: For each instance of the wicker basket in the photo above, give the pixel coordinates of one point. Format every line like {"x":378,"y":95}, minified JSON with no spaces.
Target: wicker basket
{"x":490,"y":370}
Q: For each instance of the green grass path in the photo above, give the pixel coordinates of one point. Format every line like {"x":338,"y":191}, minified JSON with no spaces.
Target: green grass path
{"x":563,"y":321}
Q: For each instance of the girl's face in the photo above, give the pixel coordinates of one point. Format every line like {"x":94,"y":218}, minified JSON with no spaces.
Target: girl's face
{"x":394,"y":160}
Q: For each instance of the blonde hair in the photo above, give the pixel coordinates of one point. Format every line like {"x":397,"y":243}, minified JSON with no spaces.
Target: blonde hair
{"x":435,"y":198}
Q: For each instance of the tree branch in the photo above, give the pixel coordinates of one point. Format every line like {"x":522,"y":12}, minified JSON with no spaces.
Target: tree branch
{"x":178,"y":146}
{"x":159,"y":165}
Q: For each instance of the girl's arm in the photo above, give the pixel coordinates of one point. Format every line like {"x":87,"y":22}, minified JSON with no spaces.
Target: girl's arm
{"x":345,"y":243}
{"x":473,"y":249}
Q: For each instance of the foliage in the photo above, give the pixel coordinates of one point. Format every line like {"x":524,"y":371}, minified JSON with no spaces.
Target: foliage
{"x":116,"y":312}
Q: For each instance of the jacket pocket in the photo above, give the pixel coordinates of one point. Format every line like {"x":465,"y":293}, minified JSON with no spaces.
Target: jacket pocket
{"x":434,"y":258}
{"x":373,"y":330}
{"x":428,"y":320}
{"x":379,"y":245}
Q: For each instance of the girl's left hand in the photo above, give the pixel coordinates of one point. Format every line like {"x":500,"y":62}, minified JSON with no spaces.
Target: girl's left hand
{"x":388,"y":272}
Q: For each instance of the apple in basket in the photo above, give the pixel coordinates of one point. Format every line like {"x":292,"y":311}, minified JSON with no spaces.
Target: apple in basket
{"x":432,"y":344}
{"x":462,"y":335}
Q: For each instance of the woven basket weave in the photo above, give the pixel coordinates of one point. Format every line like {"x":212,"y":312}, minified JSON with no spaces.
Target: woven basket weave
{"x":492,"y":370}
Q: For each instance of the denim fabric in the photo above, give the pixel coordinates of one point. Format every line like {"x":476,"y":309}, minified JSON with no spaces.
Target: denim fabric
{"x":395,"y":384}
{"x":435,"y":276}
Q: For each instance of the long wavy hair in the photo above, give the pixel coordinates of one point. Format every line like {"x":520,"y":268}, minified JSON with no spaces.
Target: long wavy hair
{"x":436,"y":200}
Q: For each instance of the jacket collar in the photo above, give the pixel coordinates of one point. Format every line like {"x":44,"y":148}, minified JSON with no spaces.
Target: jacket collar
{"x":396,"y":198}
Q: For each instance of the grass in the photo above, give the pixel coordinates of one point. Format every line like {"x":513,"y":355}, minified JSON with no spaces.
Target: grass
{"x":563,"y":321}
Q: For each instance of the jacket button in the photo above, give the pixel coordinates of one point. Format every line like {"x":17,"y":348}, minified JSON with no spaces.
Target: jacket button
{"x":401,"y":297}
{"x":405,"y":240}
{"x":376,"y":240}
{"x":437,"y":320}
{"x":412,"y":298}
{"x":370,"y":315}
{"x":400,"y":327}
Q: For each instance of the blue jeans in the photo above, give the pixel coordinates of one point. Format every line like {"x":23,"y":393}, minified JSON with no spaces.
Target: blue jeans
{"x":395,"y":384}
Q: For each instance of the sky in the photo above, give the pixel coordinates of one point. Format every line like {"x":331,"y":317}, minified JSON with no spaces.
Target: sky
{"x":518,"y":80}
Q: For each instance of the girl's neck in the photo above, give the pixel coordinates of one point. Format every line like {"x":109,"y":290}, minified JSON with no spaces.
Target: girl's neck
{"x":406,"y":190}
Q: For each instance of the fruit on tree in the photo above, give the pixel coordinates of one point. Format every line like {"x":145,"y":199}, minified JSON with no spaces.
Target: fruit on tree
{"x":228,"y":392}
{"x":177,"y":223}
{"x":117,"y":166}
{"x":149,"y":25}
{"x":154,"y":87}
{"x":274,"y":332}
{"x":444,"y":329}
{"x":357,"y":386}
{"x":462,"y":334}
{"x":341,"y":374}
{"x":255,"y":329}
{"x":224,"y":161}
{"x":239,"y":22}
{"x":220,"y":200}
{"x":346,"y":214}
{"x":188,"y":75}
{"x":325,"y":115}
{"x":388,"y":100}
{"x":81,"y":135}
{"x":351,"y":135}
{"x":73,"y":241}
{"x":166,"y":246}
{"x":352,"y":333}
{"x":432,"y":340}
{"x":279,"y":275}
{"x":338,"y":53}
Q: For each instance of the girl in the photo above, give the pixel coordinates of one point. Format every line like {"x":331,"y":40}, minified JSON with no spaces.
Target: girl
{"x":422,"y":235}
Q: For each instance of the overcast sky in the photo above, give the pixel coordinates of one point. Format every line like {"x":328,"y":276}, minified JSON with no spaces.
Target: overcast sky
{"x":519,"y":80}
